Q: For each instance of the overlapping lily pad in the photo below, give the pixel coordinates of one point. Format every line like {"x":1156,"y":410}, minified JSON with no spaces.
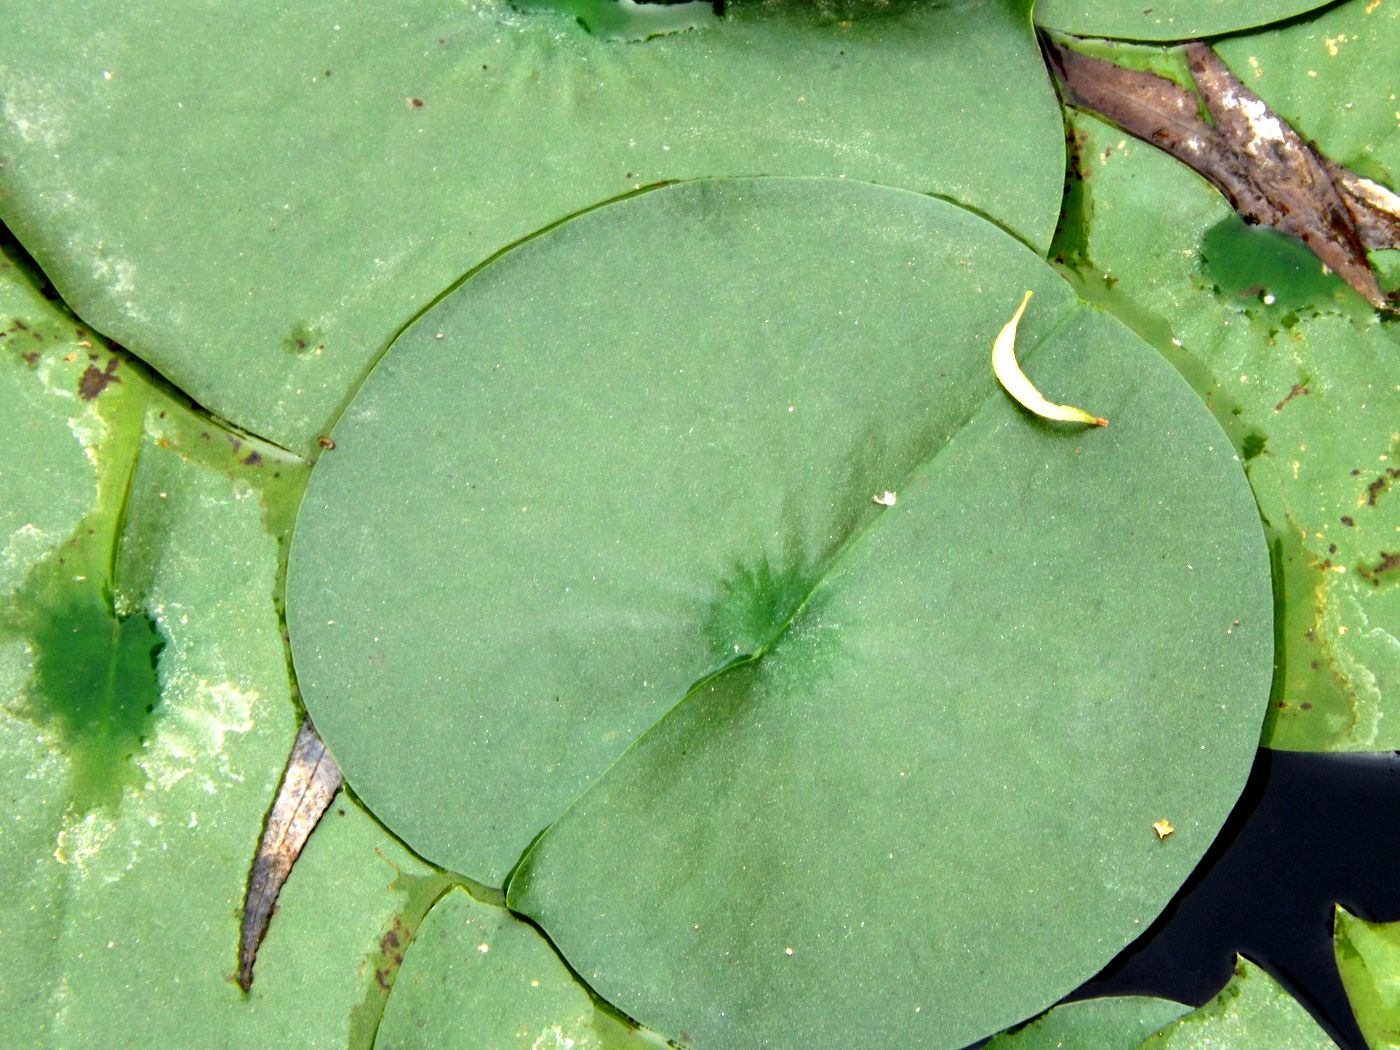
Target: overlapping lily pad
{"x":476,"y":976}
{"x":146,"y":715}
{"x":637,"y":590}
{"x":1301,"y":372}
{"x":1119,"y":1023}
{"x":256,"y":201}
{"x":1253,"y":1010}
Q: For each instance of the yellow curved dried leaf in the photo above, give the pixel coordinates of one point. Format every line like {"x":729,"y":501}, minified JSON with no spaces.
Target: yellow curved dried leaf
{"x":1009,"y":374}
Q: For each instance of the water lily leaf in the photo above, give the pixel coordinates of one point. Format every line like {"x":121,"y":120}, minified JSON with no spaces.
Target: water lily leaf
{"x":1320,"y":75}
{"x":1166,"y":19}
{"x":1268,"y":173}
{"x":147,"y":713}
{"x":1119,"y":1023}
{"x":796,"y":734}
{"x":1368,"y":958}
{"x":1252,"y":1010}
{"x":1301,"y":374}
{"x":266,"y":290}
{"x":476,"y":976}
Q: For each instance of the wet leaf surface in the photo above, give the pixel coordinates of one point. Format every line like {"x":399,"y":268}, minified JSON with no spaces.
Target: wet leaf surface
{"x":649,"y":588}
{"x":1368,"y":958}
{"x":135,"y":790}
{"x":256,"y":204}
{"x":1253,"y":1010}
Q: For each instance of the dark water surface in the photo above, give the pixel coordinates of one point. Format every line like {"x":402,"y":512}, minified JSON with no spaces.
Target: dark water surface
{"x":1311,"y":831}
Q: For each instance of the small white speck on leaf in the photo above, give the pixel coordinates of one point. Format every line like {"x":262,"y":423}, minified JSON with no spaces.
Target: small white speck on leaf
{"x":885,"y":499}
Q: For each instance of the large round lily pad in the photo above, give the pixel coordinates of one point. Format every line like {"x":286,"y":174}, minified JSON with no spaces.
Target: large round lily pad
{"x":597,"y":551}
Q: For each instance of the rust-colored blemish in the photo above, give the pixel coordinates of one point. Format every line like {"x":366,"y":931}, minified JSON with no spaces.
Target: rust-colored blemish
{"x":1380,"y":485}
{"x":1389,"y":562}
{"x":1294,"y":391}
{"x":95,"y":380}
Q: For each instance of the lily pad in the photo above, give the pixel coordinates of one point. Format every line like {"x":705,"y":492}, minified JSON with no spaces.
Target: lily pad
{"x":638,"y":590}
{"x":1252,"y":1010}
{"x":147,"y":712}
{"x":1119,"y":1023}
{"x":257,"y":203}
{"x":476,"y":976}
{"x":1368,"y":958}
{"x":1300,"y":372}
{"x":1321,"y":75}
{"x":1166,"y":19}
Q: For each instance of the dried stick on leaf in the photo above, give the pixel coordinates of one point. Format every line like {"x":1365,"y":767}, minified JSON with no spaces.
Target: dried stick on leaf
{"x":1268,"y":172}
{"x":309,"y":783}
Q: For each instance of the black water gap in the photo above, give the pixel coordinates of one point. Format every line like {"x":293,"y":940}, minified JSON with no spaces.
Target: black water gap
{"x":1311,"y":831}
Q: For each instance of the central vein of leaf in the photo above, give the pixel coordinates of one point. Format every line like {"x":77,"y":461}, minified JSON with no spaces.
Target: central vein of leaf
{"x":823,"y":572}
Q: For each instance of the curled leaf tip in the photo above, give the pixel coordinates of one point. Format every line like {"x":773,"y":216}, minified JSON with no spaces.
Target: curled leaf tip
{"x":1014,"y":381}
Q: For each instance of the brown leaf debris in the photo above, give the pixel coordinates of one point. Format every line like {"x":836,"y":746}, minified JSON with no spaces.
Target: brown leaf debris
{"x":1269,"y":173}
{"x":309,"y":783}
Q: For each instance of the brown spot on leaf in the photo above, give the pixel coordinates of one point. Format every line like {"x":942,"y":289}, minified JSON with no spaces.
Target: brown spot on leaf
{"x":390,"y":957}
{"x":252,"y":459}
{"x":1390,"y":561}
{"x":325,"y":442}
{"x":95,"y":380}
{"x":1294,"y":391}
{"x":1380,"y":485}
{"x":1348,"y":521}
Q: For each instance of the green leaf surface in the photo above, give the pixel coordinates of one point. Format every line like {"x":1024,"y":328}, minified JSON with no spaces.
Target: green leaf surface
{"x":640,"y":562}
{"x":476,"y":976}
{"x":1329,"y":77}
{"x":146,"y":714}
{"x":1118,"y":1023}
{"x":1368,"y":958}
{"x":256,"y":201}
{"x":1302,"y":374}
{"x":1166,"y":19}
{"x":1251,"y":1011}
